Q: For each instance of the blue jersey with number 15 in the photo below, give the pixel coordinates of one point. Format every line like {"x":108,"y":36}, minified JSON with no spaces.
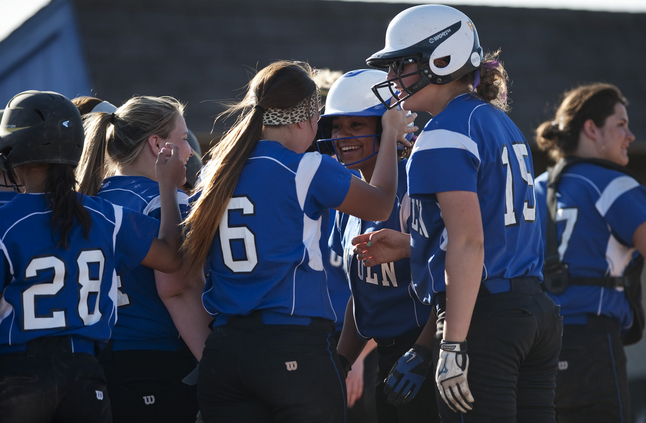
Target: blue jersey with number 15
{"x":473,"y":146}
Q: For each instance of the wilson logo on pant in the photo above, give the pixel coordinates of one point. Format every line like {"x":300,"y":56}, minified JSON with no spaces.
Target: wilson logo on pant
{"x":99,"y":395}
{"x":563,"y":365}
{"x":149,"y":399}
{"x":291,"y":365}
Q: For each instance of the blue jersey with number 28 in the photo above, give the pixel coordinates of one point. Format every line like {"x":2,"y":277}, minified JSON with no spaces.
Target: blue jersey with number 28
{"x":473,"y":146}
{"x":51,"y":291}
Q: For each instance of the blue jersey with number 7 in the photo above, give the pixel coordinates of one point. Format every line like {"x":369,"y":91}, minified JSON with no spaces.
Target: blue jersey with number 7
{"x":473,"y":146}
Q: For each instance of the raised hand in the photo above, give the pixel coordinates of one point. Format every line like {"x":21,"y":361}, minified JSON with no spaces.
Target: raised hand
{"x":170,"y":168}
{"x":383,"y":246}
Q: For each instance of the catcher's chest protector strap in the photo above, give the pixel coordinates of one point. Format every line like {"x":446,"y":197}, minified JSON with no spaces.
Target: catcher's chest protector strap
{"x":555,"y":272}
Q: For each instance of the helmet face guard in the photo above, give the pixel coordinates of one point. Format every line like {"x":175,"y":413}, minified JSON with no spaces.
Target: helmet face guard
{"x":328,"y":146}
{"x":423,"y":34}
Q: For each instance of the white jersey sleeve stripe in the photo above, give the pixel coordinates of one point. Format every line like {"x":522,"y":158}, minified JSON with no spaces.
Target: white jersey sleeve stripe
{"x":118,"y":216}
{"x":441,"y":138}
{"x":307,"y":168}
{"x":154,"y":204}
{"x":614,"y":190}
{"x":6,"y":254}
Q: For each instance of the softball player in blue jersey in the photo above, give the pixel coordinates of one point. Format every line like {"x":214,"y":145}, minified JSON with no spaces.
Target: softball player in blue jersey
{"x":146,"y":359}
{"x":600,"y":216}
{"x":61,"y":252}
{"x":259,"y":227}
{"x":383,"y":305}
{"x":475,"y":247}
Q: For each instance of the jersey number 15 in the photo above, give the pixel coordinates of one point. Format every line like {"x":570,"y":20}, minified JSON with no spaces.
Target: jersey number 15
{"x":529,"y":211}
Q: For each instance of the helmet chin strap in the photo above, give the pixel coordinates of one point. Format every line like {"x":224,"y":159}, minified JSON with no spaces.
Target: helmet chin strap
{"x":4,"y":164}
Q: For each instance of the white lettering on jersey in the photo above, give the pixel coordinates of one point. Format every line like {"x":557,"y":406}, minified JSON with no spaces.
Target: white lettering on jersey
{"x":388,"y":276}
{"x":122,"y":299}
{"x":416,"y":222}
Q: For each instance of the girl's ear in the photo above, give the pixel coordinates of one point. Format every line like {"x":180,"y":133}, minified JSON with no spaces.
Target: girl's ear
{"x":155,"y":144}
{"x":590,"y":129}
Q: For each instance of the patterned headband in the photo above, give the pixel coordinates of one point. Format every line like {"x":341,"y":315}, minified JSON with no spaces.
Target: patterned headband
{"x":299,"y":113}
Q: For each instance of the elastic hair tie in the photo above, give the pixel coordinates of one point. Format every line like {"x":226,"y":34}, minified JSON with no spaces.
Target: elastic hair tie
{"x":488,"y":65}
{"x":259,"y":107}
{"x":113,"y":118}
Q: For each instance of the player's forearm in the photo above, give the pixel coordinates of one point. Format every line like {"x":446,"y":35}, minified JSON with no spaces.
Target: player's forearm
{"x":386,"y":167}
{"x":350,"y":345}
{"x":463,"y":274}
{"x":170,"y":230}
{"x":190,"y":318}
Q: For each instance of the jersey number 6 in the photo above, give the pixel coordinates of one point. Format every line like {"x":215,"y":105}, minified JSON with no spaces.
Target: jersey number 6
{"x":230,"y":235}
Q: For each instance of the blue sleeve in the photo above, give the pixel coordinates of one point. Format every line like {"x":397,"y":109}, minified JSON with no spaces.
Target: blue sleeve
{"x":134,"y":238}
{"x":443,"y":161}
{"x":623,"y":223}
{"x":330,"y":184}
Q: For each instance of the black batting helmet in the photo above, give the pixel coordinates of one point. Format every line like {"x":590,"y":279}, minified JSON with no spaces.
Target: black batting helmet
{"x":40,"y":127}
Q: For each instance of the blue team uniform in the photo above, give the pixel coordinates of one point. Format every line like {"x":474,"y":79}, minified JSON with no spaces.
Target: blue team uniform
{"x":277,"y":267}
{"x":385,"y":305}
{"x":146,"y":349}
{"x":595,"y":236}
{"x":514,"y":336}
{"x":144,"y":323}
{"x":266,"y":285}
{"x":472,"y":146}
{"x":6,"y":196}
{"x":598,"y":211}
{"x":337,"y":282}
{"x":49,"y":291}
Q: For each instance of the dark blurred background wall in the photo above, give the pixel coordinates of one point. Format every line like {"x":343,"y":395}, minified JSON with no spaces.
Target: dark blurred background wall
{"x":203,"y":52}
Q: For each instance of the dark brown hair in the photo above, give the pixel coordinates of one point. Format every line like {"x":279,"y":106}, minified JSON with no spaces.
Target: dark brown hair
{"x":281,"y":85}
{"x":559,"y":136}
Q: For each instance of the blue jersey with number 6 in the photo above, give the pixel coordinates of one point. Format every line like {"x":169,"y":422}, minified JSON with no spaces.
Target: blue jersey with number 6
{"x":473,"y":146}
{"x":269,"y":250}
{"x":51,"y":291}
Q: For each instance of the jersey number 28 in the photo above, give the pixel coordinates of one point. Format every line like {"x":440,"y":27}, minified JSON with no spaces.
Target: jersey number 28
{"x":87,"y":286}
